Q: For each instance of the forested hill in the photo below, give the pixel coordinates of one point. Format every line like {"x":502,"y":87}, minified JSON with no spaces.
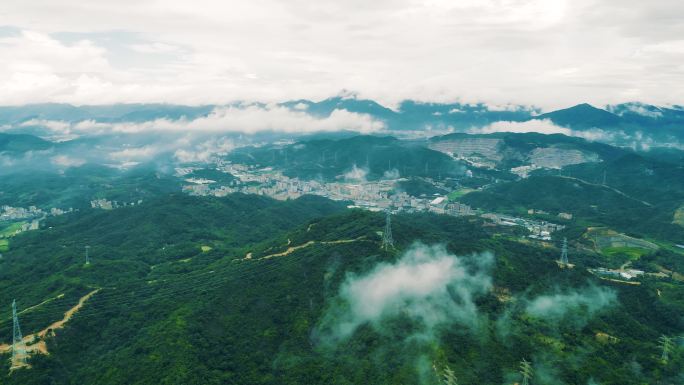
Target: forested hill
{"x":247,"y":290}
{"x":329,"y":159}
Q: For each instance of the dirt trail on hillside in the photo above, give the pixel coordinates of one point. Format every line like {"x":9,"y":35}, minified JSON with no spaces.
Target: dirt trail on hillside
{"x":292,"y":249}
{"x":39,"y":346}
{"x":28,"y":309}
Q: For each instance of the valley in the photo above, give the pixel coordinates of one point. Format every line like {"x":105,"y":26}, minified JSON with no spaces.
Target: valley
{"x":257,"y":259}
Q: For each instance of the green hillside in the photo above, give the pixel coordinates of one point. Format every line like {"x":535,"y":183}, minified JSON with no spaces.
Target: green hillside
{"x":77,"y":186}
{"x":329,"y":159}
{"x":19,"y":143}
{"x":590,"y":203}
{"x":279,"y":300}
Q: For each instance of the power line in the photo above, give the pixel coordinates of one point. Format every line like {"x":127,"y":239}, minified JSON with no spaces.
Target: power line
{"x":526,"y":371}
{"x":147,"y":289}
{"x":172,"y":286}
{"x":192,"y":275}
{"x":564,"y":252}
{"x":97,"y":308}
{"x":176,"y":286}
{"x":667,"y":347}
{"x":18,"y":346}
{"x":387,"y":240}
{"x":448,"y":377}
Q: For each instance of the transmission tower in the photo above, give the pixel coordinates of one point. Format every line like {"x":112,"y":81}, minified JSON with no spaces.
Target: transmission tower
{"x":564,"y":252}
{"x":604,"y":177}
{"x":18,"y":346}
{"x":448,"y":377}
{"x":526,"y":371}
{"x":667,"y":346}
{"x":387,"y":240}
{"x":87,"y":248}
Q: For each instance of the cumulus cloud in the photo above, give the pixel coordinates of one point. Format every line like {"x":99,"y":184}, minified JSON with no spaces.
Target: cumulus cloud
{"x":426,"y":284}
{"x":435,"y":50}
{"x":37,"y":67}
{"x":203,"y":152}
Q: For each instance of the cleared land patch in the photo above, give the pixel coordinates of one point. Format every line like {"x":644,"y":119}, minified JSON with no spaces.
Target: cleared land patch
{"x":35,"y":342}
{"x":632,"y":253}
{"x":613,"y":241}
{"x":459,"y":193}
{"x":11,"y":230}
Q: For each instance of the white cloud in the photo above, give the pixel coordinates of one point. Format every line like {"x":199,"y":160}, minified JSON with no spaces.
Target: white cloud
{"x":580,"y":304}
{"x":242,"y":119}
{"x":642,"y":110}
{"x":544,"y":126}
{"x":203,"y":152}
{"x":356,"y":174}
{"x":426,"y":284}
{"x":144,"y":152}
{"x":550,"y":53}
{"x":155,"y":48}
{"x":67,"y":161}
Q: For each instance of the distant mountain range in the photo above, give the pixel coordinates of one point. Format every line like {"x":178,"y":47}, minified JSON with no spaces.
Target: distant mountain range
{"x":636,"y":125}
{"x":409,"y":115}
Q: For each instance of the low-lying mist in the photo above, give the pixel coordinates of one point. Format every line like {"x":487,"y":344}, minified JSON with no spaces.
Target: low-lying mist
{"x":431,"y":292}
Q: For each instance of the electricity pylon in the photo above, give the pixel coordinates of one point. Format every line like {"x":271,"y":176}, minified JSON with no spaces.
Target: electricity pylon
{"x":526,"y":371}
{"x":448,"y":377}
{"x":387,"y":240}
{"x":564,"y":252}
{"x":667,"y":346}
{"x":18,"y":346}
{"x":87,"y":248}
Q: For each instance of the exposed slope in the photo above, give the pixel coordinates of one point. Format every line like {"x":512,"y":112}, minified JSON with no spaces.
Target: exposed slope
{"x":506,"y":150}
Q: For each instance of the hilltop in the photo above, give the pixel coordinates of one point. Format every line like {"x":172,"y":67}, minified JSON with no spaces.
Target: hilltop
{"x":169,"y":311}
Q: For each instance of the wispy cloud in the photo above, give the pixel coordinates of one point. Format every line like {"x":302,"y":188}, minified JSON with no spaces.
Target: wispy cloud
{"x":248,"y":119}
{"x":427,"y":284}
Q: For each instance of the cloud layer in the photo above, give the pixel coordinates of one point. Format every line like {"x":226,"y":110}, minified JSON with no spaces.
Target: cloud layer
{"x":247,"y":119}
{"x":549,"y":53}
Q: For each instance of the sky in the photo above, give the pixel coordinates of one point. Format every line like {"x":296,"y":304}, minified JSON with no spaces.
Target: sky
{"x":546,"y":53}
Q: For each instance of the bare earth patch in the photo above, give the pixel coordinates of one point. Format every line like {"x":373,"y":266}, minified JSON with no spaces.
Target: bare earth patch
{"x":35,"y":342}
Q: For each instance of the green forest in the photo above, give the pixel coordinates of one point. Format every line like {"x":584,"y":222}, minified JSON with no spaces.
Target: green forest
{"x":169,"y":311}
